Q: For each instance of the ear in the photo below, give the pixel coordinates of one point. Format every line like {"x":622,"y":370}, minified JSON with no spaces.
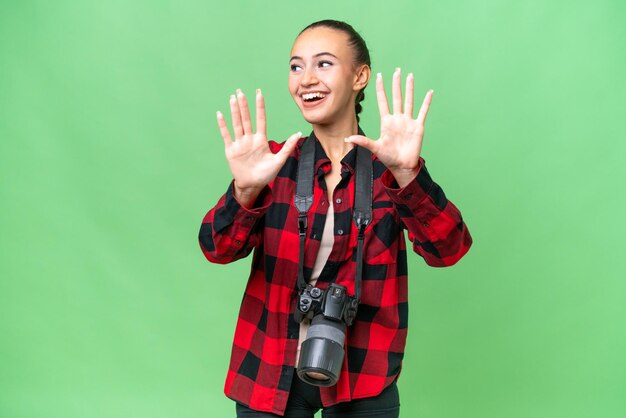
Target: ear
{"x":362,"y":77}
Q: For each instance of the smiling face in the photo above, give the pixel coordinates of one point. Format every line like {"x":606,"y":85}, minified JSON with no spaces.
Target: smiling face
{"x":323,"y":79}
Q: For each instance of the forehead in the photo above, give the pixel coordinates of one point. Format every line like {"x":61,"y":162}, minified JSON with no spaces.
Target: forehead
{"x":321,"y":39}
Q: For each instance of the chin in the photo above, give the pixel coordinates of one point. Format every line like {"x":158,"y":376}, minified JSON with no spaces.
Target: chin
{"x":315,"y":114}
{"x":314,"y":119}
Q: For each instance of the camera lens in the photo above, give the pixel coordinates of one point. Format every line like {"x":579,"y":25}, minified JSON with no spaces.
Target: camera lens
{"x":322,"y":352}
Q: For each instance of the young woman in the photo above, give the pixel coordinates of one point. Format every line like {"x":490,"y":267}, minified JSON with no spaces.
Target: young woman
{"x":329,"y":69}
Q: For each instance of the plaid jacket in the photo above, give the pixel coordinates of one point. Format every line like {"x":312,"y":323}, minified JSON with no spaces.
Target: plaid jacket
{"x":266,"y":337}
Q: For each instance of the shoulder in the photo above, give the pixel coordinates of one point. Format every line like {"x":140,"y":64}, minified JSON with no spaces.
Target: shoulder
{"x":378,"y":168}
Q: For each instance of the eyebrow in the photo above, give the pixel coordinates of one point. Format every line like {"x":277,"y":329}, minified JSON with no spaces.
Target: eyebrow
{"x":295,"y":57}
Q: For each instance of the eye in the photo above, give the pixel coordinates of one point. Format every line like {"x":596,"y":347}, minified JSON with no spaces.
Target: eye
{"x":295,"y":67}
{"x":325,"y":64}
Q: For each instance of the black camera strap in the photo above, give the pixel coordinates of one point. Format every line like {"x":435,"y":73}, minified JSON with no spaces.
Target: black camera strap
{"x":304,"y":198}
{"x":362,"y":214}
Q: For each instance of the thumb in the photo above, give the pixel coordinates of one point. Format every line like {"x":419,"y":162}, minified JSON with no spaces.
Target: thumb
{"x":364,"y":142}
{"x":289,"y":145}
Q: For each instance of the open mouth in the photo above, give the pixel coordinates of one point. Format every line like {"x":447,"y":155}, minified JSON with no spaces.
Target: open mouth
{"x":313,"y":97}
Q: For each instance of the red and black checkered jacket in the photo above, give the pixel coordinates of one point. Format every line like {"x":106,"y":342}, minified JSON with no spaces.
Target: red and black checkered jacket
{"x":266,"y":337}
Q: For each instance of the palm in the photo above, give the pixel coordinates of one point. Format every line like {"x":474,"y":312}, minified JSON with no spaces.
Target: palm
{"x":250,"y":159}
{"x":400,"y":141}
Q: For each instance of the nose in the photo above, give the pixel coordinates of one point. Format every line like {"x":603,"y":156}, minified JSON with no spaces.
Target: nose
{"x":308,"y":78}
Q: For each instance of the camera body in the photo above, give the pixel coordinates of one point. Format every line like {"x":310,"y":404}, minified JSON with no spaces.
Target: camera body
{"x":330,"y":312}
{"x":333,"y":303}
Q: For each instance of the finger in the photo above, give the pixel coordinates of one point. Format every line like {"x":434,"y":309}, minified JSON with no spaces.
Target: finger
{"x":260,"y":113}
{"x":364,"y":142}
{"x":236,"y":117}
{"x":289,"y":145}
{"x":245,"y":113}
{"x":224,"y":130}
{"x":421,"y":117}
{"x":396,"y":92}
{"x":383,"y":106}
{"x":408,"y":100}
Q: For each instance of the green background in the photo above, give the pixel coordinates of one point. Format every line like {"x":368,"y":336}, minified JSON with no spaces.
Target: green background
{"x":110,"y":157}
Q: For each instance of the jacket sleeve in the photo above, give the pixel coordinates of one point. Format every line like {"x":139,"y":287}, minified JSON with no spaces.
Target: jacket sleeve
{"x":229,"y":231}
{"x":434,"y":224}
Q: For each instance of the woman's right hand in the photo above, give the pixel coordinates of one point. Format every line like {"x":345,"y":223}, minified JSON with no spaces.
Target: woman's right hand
{"x":250,"y":159}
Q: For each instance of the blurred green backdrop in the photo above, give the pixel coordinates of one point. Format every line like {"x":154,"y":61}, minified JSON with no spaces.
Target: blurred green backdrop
{"x":110,"y":156}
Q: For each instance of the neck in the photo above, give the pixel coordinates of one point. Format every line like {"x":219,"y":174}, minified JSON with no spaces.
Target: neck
{"x":331,"y":137}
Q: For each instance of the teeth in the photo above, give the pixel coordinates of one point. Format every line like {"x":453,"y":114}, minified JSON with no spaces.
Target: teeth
{"x":311,"y":96}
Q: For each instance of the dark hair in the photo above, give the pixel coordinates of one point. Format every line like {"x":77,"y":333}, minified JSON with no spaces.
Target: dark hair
{"x":361,"y":53}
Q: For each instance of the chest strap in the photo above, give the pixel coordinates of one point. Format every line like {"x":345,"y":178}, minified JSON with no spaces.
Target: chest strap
{"x":361,"y":215}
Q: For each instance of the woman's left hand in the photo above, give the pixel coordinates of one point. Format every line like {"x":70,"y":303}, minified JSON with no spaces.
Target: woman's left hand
{"x":401,"y":136}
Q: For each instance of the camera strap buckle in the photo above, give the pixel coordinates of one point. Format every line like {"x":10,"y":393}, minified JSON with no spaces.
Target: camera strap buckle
{"x":302,"y":225}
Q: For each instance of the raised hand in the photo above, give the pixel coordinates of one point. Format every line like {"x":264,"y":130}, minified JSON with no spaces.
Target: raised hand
{"x":401,"y":136}
{"x":251,"y":162}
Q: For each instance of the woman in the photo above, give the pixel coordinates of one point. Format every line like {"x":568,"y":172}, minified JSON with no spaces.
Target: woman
{"x":329,"y":69}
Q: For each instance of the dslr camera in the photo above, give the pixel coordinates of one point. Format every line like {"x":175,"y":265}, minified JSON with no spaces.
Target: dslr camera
{"x":330,"y":311}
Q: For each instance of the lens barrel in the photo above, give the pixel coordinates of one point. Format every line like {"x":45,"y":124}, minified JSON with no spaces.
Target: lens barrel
{"x":322,"y":351}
